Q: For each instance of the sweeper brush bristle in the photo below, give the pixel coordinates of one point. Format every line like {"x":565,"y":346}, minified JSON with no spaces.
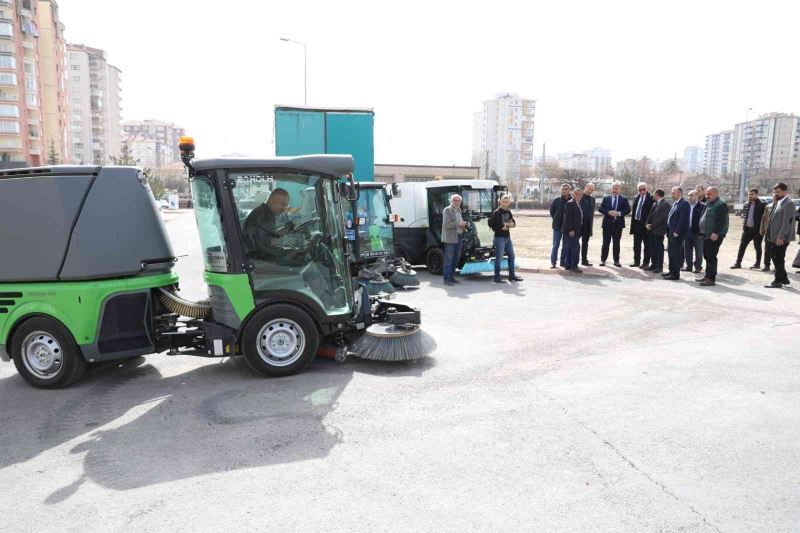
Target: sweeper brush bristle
{"x":374,"y":288}
{"x":384,"y":342}
{"x":476,"y":267}
{"x":404,"y":278}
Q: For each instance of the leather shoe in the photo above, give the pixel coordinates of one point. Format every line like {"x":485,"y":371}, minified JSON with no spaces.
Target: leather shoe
{"x":698,"y":270}
{"x":701,"y":280}
{"x":498,"y":280}
{"x":671,"y":278}
{"x":774,"y":285}
{"x":586,"y":263}
{"x":602,"y":263}
{"x":687,"y":269}
{"x":618,"y":265}
{"x":658,"y":271}
{"x":755,"y":267}
{"x":765,"y":269}
{"x":576,"y":270}
{"x":517,"y":278}
{"x":644,"y":266}
{"x":707,"y":283}
{"x":736,"y":266}
{"x":634,"y":265}
{"x":649,"y":268}
{"x":553,"y":266}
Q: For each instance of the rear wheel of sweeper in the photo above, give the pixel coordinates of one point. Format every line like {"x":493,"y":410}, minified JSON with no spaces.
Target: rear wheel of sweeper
{"x":280,"y":340}
{"x":434,"y":259}
{"x":46,"y":355}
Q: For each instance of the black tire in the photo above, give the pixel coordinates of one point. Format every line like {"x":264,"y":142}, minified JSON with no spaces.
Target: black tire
{"x":434,"y":259}
{"x":292,"y":325}
{"x":57,"y":343}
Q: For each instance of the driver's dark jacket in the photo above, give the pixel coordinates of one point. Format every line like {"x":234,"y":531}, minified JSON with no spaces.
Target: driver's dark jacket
{"x":260,"y":230}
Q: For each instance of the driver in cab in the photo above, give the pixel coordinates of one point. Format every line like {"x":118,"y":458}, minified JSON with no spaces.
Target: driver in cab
{"x":260,"y":229}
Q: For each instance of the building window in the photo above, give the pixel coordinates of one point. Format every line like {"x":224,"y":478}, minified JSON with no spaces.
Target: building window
{"x":29,"y":67}
{"x":9,"y":126}
{"x":7,"y":62}
{"x":8,"y":78}
{"x":74,"y":67}
{"x":31,"y":99}
{"x":30,"y":84}
{"x":9,"y":110}
{"x":6,"y":29}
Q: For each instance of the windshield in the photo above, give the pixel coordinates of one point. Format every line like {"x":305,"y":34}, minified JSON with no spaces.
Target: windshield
{"x":373,"y":229}
{"x":291,"y":233}
{"x":477,"y":204}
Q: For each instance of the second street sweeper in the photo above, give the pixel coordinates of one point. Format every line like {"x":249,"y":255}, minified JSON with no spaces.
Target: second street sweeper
{"x":369,"y":227}
{"x":89,"y":273}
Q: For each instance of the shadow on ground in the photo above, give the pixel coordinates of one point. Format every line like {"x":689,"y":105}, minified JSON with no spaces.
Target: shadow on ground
{"x":136,"y":427}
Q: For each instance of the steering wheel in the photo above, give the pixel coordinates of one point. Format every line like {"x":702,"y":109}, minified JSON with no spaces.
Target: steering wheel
{"x":305,"y":225}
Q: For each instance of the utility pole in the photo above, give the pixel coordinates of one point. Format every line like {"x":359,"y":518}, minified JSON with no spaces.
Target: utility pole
{"x":543,"y":174}
{"x":742,"y":159}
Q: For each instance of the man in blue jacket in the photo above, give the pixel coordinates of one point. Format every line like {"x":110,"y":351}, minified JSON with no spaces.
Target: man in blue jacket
{"x":614,"y":208}
{"x":678,"y":224}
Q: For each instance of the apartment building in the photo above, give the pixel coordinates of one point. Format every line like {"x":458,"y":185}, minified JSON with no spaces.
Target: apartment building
{"x":52,"y":69}
{"x":20,"y":111}
{"x":149,"y":153}
{"x":166,"y":133}
{"x":502,"y":140}
{"x":692,"y":161}
{"x":95,"y":105}
{"x":718,"y":153}
{"x":770,"y":142}
{"x":596,"y":161}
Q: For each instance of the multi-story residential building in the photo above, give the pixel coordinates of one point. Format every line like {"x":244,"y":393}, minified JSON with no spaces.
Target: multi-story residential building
{"x":52,"y":67}
{"x":166,"y":133}
{"x":717,"y":154}
{"x":770,"y":142}
{"x":692,"y":161}
{"x":502,"y":141}
{"x":20,"y":113}
{"x":94,"y":101}
{"x":150,"y":153}
{"x":596,"y":161}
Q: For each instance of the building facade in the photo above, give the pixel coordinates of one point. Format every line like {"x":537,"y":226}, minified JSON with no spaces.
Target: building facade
{"x":596,"y":161}
{"x":401,"y":173}
{"x":52,"y":67}
{"x":692,"y":162}
{"x":150,"y":153}
{"x":502,"y":139}
{"x":717,"y":154}
{"x":20,"y":110}
{"x":95,"y":105}
{"x":770,"y":142}
{"x":166,"y":133}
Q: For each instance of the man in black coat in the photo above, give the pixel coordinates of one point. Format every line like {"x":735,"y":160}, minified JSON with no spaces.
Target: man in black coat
{"x":557,"y":214}
{"x":639,"y":211}
{"x":657,"y":228}
{"x":752,"y":212}
{"x":588,"y":203}
{"x":573,"y":228}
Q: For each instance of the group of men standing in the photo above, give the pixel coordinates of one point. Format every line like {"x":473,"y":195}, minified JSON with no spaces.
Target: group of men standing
{"x":694,"y":227}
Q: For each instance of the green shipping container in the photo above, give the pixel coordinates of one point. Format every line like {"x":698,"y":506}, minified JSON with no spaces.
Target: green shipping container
{"x":305,"y":131}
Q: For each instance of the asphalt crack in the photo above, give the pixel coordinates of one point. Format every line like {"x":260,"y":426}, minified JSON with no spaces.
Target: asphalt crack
{"x":630,"y":463}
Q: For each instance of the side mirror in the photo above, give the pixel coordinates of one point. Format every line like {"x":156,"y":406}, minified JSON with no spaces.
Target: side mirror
{"x":351,"y":190}
{"x":395,"y":189}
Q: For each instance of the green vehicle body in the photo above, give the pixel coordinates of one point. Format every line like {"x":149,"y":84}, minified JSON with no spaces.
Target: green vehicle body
{"x":78,"y":305}
{"x":237,"y":288}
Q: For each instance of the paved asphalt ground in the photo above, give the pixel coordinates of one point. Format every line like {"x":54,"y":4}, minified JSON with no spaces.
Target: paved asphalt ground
{"x":558,"y":404}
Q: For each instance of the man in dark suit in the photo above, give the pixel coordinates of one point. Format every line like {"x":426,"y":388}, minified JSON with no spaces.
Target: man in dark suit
{"x":639,"y":211}
{"x":752,"y":212}
{"x":657,"y":228}
{"x":587,"y":204}
{"x":780,"y":232}
{"x":678,"y":224}
{"x":693,"y":245}
{"x":572,"y":228}
{"x":614,"y":208}
{"x":557,"y":214}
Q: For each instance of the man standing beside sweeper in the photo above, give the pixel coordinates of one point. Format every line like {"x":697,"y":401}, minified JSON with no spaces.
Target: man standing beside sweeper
{"x":453,"y":226}
{"x":502,"y":221}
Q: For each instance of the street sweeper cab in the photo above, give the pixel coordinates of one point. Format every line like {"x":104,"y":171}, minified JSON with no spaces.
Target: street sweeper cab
{"x":369,"y":227}
{"x":89,"y":276}
{"x":418,"y":233}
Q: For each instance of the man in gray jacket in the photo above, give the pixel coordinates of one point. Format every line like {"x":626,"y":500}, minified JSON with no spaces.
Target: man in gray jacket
{"x":452,"y":236}
{"x":780,"y":232}
{"x":656,"y":229}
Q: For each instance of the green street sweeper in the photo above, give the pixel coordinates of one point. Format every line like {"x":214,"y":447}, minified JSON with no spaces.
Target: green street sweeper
{"x":87,"y":273}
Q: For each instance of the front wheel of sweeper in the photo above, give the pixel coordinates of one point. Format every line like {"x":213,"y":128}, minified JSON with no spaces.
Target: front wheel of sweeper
{"x":280,"y":340}
{"x":46,"y":355}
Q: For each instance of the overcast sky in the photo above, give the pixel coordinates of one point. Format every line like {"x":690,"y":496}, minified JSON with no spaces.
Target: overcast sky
{"x":635,"y":77}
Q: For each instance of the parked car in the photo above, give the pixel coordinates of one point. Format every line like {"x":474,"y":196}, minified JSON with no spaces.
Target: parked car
{"x":163,"y":204}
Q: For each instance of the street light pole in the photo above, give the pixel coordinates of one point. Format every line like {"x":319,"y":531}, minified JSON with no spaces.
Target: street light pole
{"x":305,"y":66}
{"x":742,"y":160}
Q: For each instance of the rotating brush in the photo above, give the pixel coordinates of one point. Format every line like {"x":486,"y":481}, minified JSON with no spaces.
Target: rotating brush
{"x":404,"y":275}
{"x":388,"y":342}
